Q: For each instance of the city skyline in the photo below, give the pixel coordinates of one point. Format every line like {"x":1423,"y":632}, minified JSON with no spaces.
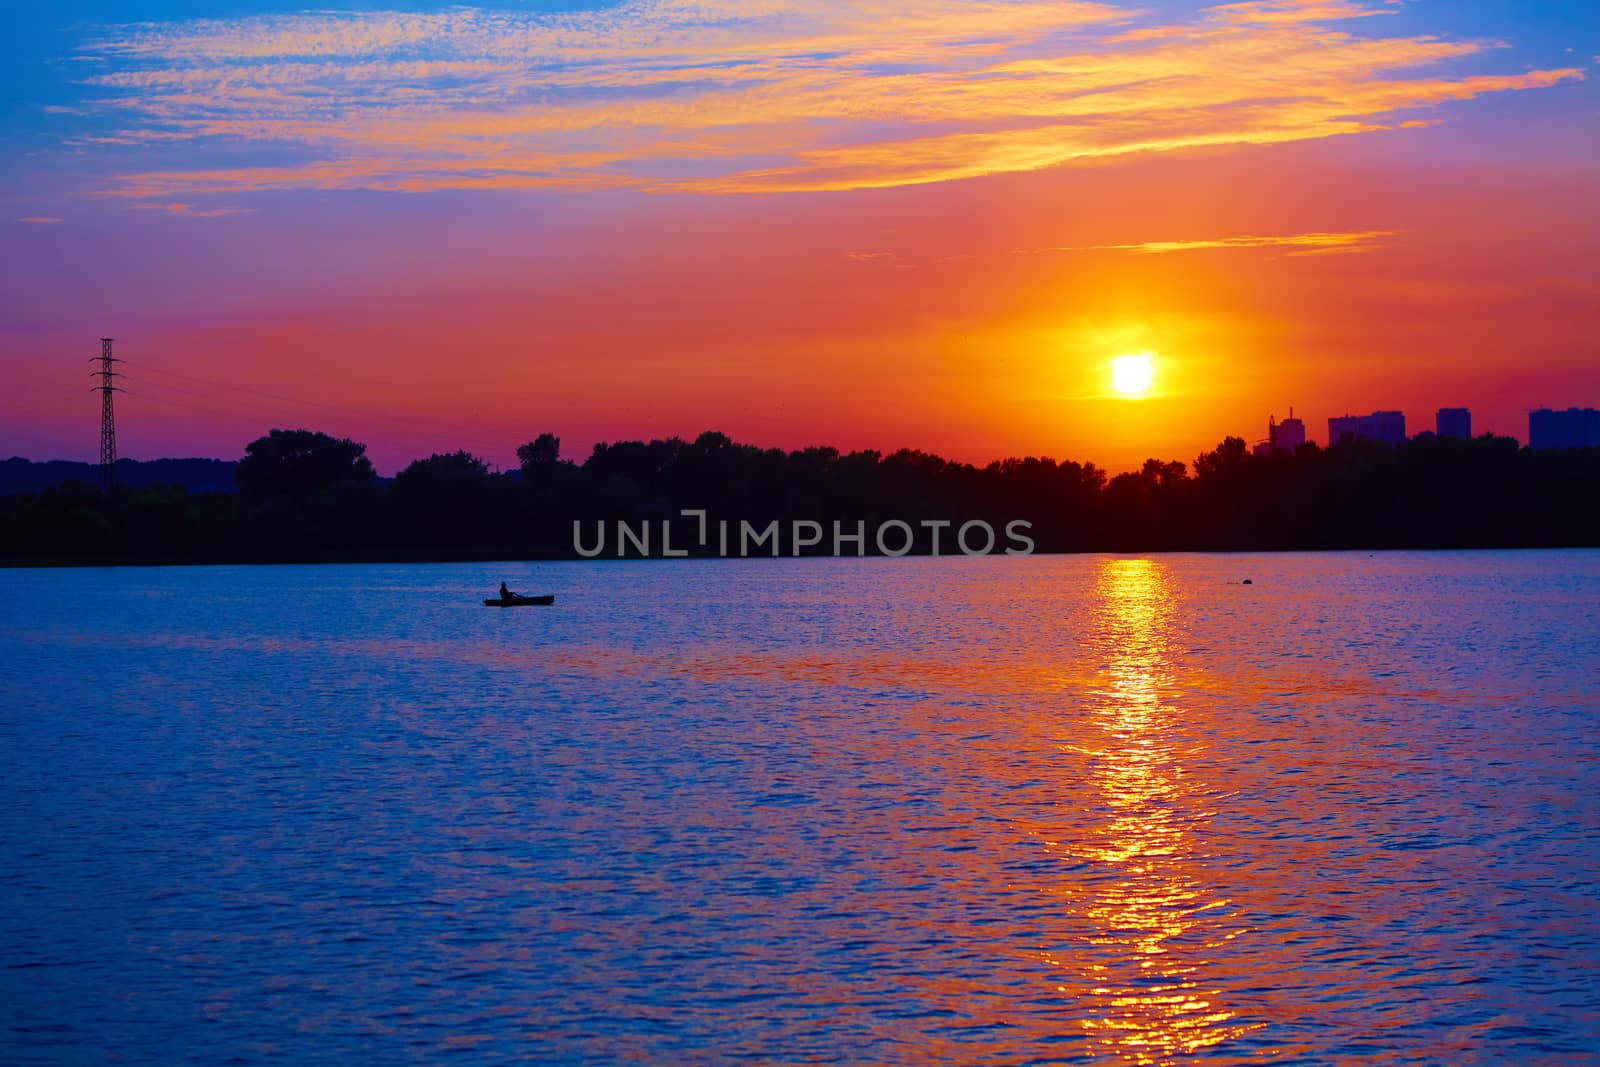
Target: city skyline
{"x":1546,"y":428}
{"x":1384,"y":425}
{"x":435,"y":228}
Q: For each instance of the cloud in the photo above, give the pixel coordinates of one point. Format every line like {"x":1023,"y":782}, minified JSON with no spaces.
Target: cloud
{"x":39,"y":220}
{"x":718,"y":96}
{"x":1270,"y":12}
{"x":1303,"y":244}
{"x":190,"y":211}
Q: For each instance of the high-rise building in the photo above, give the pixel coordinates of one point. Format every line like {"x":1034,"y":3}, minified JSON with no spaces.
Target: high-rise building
{"x":1285,"y":436}
{"x":1388,"y":427}
{"x":1572,"y":428}
{"x":1453,"y":422}
{"x":1291,"y":433}
{"x":1343,"y":428}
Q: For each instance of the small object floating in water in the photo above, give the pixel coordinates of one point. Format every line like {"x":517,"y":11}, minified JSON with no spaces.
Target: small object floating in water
{"x":520,"y":601}
{"x":1247,"y":582}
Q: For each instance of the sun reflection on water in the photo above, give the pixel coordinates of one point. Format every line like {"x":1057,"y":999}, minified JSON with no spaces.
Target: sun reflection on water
{"x":1148,"y":924}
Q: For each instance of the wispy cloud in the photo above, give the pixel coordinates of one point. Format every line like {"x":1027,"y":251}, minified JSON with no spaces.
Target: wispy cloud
{"x":39,"y":220}
{"x":193,"y":212}
{"x":725,"y":96}
{"x":1267,"y":12}
{"x":1300,"y":244}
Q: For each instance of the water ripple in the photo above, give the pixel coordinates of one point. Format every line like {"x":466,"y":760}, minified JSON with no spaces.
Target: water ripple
{"x":1069,"y":810}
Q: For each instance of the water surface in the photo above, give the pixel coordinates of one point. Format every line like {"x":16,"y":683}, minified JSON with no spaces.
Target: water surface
{"x":990,"y":811}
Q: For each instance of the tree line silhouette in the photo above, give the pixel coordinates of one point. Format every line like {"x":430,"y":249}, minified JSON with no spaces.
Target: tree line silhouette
{"x":309,"y":496}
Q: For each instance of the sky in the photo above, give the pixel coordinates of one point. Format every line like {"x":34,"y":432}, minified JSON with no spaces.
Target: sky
{"x":865,"y":223}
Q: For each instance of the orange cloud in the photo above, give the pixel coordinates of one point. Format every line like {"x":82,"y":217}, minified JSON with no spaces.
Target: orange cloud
{"x":713,"y":96}
{"x":1303,"y":244}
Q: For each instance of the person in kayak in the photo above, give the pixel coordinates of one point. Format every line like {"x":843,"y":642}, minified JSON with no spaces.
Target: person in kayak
{"x":506,"y":594}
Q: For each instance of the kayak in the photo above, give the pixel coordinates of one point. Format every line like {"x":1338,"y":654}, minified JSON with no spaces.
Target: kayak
{"x":521,"y":602}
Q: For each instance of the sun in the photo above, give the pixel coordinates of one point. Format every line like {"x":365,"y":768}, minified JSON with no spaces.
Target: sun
{"x":1131,"y":375}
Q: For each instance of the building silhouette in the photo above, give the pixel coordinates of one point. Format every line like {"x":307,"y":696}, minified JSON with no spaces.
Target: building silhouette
{"x":1388,"y":427}
{"x":1285,"y":436}
{"x":1572,"y":428}
{"x":1291,"y":432}
{"x":1453,"y":422}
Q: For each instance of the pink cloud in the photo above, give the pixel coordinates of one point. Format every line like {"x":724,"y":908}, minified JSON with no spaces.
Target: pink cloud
{"x":674,"y":95}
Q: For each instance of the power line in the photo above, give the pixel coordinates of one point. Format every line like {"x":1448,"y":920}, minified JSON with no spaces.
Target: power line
{"x":219,"y":399}
{"x":196,"y":409}
{"x":253,"y":391}
{"x":280,"y":405}
{"x":212,"y":398}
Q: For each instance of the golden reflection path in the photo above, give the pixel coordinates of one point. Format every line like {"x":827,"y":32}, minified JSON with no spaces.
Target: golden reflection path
{"x":1148,"y":926}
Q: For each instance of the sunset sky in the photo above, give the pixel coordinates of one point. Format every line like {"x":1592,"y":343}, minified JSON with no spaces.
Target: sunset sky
{"x":867,"y":223}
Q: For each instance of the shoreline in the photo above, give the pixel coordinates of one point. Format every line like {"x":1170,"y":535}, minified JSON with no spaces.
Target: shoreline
{"x":422,"y":560}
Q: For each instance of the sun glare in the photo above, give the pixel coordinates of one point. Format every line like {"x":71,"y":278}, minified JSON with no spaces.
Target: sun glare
{"x":1131,"y":375}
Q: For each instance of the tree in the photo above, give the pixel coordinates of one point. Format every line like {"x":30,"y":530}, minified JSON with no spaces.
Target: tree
{"x":449,"y":499}
{"x":1224,"y":460}
{"x":540,"y":454}
{"x":300,"y":463}
{"x":441,"y":473}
